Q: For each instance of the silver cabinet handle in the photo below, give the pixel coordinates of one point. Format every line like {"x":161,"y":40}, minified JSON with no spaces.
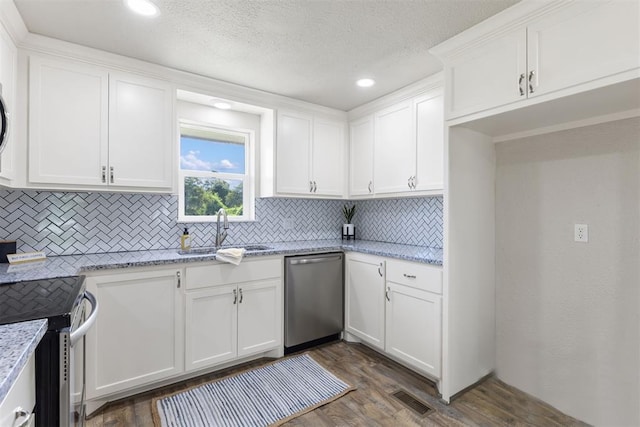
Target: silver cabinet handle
{"x":380,"y":270}
{"x":104,"y":174}
{"x":240,"y":296}
{"x":111,"y":174}
{"x":409,"y":182}
{"x":235,"y":296}
{"x":409,"y":276}
{"x":520,"y":81}
{"x":386,"y":294}
{"x":310,"y":186}
{"x":179,"y":279}
{"x":19,"y":413}
{"x":531,"y":76}
{"x":315,"y":187}
{"x":413,"y":182}
{"x":370,"y":185}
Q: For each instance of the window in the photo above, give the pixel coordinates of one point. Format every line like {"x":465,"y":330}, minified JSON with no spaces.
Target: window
{"x":216,"y":172}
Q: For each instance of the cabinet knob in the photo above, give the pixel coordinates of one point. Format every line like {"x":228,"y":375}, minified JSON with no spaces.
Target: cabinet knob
{"x":235,"y":296}
{"x":111,"y":174}
{"x":240,"y":302}
{"x":179,"y":277}
{"x":532,"y":75}
{"x":104,"y":174}
{"x":520,"y":81}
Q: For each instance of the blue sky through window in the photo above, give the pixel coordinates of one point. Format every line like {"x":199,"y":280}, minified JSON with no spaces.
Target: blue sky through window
{"x":208,"y":155}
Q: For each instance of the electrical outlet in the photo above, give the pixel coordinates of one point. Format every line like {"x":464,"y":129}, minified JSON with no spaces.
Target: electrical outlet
{"x":288,"y":223}
{"x":581,"y":233}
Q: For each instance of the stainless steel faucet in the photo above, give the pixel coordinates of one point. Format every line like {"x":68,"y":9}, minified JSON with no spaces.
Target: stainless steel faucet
{"x":221,"y":236}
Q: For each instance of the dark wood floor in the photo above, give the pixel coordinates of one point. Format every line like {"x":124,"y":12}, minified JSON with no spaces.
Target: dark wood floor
{"x":491,"y":403}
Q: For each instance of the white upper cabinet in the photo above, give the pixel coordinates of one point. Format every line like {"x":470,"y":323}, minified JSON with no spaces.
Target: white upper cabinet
{"x":361,"y":156}
{"x":140,"y":132}
{"x":309,"y":155}
{"x":490,"y":75}
{"x":293,"y":157}
{"x":398,"y":150}
{"x":394,"y":149}
{"x":538,"y":48}
{"x":68,"y":123}
{"x":328,"y":158}
{"x":428,"y":110}
{"x":581,"y":43}
{"x":92,"y":128}
{"x":8,"y":61}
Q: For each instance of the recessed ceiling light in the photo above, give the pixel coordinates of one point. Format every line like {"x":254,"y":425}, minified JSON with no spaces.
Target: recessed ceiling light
{"x":143,"y":7}
{"x":366,"y":82}
{"x":220,"y":104}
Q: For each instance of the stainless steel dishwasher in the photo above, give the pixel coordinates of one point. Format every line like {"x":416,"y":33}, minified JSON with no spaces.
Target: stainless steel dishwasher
{"x":314,"y":299}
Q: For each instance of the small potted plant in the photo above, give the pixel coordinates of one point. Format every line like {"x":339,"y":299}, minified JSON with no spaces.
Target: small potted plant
{"x":348,"y":229}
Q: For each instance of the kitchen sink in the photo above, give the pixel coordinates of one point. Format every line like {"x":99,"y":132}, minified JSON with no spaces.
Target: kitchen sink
{"x":211,"y":250}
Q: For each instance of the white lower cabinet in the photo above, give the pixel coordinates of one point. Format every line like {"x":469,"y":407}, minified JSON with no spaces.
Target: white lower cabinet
{"x":159,"y":324}
{"x":138,"y":336}
{"x":408,"y":327}
{"x":21,"y":397}
{"x":229,"y":321}
{"x":211,"y":326}
{"x":364,"y":299}
{"x":414,"y":327}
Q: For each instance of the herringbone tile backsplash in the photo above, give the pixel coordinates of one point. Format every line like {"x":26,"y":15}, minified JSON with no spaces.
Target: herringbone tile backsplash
{"x":81,"y":223}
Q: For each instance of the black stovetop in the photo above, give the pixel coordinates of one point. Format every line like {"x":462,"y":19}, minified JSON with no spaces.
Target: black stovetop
{"x":52,"y":299}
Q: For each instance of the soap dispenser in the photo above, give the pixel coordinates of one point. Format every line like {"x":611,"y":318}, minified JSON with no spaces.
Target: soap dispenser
{"x":185,"y":240}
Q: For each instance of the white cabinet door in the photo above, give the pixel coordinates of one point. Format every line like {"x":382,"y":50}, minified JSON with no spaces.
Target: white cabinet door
{"x":413,"y":325}
{"x":583,"y":42}
{"x":259,"y":316}
{"x":8,"y":61}
{"x":364,"y":284}
{"x":361,"y":157}
{"x":489,"y":76}
{"x":138,"y":336}
{"x":395,"y":149}
{"x":327,"y":167}
{"x":293,"y":153}
{"x":429,"y":119}
{"x":211,"y":326}
{"x":140,"y":132}
{"x":68,"y":116}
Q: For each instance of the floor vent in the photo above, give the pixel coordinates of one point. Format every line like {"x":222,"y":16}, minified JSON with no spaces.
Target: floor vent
{"x":412,"y":402}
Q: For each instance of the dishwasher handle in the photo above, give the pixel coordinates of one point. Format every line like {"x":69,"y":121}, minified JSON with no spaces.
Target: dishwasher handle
{"x":314,"y":260}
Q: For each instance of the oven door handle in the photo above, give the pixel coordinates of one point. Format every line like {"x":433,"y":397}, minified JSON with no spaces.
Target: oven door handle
{"x":88,"y":323}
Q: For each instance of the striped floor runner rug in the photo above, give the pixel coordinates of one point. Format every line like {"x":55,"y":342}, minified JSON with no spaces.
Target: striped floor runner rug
{"x":266,"y":396}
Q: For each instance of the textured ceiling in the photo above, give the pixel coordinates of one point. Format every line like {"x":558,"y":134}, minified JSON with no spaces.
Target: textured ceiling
{"x":311,"y":50}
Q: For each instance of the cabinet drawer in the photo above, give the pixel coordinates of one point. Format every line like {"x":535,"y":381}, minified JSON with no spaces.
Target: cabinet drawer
{"x":202,"y":276}
{"x":22,"y":394}
{"x":416,"y":275}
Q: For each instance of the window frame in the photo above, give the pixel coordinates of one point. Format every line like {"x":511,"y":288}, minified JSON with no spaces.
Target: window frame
{"x":248,"y":178}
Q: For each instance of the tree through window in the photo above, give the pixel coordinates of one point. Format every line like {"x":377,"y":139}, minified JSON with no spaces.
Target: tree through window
{"x":214,"y":173}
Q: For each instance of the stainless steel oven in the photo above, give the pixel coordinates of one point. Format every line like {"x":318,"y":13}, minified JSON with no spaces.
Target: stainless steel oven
{"x":70,"y":311}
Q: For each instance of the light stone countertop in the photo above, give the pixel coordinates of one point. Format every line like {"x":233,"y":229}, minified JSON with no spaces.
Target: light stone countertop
{"x":71,"y":265}
{"x":18,"y":341}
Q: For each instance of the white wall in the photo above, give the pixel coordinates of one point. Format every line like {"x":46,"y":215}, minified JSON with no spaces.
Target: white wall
{"x":567,"y":314}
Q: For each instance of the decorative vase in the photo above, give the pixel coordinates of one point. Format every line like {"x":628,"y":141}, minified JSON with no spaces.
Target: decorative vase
{"x":348,"y":231}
